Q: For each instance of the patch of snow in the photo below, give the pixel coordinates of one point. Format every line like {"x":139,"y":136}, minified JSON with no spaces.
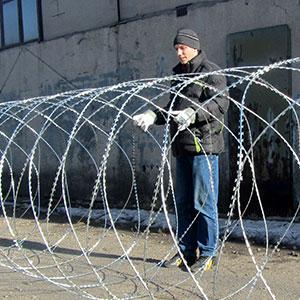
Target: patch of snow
{"x":278,"y":230}
{"x":254,"y":229}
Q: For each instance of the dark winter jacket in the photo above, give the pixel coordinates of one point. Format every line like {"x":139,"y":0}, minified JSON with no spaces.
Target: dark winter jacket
{"x":205,"y":135}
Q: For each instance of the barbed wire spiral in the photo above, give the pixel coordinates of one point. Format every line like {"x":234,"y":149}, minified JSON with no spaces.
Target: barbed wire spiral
{"x":88,"y":254}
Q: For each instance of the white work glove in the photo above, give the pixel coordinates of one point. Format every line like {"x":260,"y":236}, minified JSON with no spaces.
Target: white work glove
{"x":145,"y":119}
{"x":185,"y":118}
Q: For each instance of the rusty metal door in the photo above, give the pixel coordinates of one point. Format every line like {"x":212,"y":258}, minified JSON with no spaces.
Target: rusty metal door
{"x":272,"y":158}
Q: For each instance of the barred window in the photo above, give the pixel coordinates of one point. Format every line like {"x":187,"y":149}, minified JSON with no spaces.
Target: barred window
{"x":20,"y":22}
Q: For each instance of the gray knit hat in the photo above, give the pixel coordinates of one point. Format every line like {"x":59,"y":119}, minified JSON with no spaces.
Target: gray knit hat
{"x":187,"y":37}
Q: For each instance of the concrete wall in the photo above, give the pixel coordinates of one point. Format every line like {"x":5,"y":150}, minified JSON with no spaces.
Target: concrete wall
{"x":63,"y":17}
{"x":137,"y":9}
{"x":92,"y":44}
{"x":134,"y":49}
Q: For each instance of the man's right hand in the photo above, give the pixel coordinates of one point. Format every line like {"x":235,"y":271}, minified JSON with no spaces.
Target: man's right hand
{"x":145,"y":120}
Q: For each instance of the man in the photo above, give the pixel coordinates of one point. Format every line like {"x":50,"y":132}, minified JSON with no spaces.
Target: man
{"x":196,"y":128}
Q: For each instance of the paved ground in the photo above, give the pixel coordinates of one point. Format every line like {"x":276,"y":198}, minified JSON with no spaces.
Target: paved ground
{"x":103,"y":274}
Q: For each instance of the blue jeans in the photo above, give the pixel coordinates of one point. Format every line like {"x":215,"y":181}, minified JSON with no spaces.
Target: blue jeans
{"x":196,"y":194}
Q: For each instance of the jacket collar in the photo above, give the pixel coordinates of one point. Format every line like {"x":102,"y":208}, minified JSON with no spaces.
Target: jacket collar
{"x":192,"y":65}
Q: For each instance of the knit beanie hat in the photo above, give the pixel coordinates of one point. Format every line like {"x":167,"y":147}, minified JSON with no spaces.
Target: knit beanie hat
{"x":187,"y":37}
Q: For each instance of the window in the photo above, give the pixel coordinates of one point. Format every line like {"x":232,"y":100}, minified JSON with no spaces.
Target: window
{"x":20,"y":21}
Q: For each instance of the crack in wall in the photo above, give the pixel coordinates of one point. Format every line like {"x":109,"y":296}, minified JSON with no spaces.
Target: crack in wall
{"x":275,"y":4}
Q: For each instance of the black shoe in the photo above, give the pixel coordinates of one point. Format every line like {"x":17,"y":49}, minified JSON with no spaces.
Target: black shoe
{"x":177,"y":261}
{"x":203,"y":263}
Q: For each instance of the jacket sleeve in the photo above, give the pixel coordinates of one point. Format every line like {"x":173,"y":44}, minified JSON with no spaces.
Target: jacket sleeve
{"x":161,"y":116}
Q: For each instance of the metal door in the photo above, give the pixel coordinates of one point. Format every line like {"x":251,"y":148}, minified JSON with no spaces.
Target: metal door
{"x":271,"y":156}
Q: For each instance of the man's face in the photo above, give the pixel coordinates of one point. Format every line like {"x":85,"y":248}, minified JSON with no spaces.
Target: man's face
{"x":185,"y":53}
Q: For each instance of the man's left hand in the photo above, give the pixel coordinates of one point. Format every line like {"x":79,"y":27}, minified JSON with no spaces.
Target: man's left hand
{"x":185,"y":118}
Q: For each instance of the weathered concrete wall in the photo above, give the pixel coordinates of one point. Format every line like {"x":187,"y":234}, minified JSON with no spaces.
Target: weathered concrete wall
{"x":296,"y":140}
{"x":136,"y":49}
{"x":136,"y":8}
{"x":86,"y":59}
{"x":63,"y":17}
{"x":102,"y":52}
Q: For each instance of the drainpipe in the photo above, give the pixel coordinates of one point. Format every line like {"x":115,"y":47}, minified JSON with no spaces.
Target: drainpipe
{"x":119,"y":11}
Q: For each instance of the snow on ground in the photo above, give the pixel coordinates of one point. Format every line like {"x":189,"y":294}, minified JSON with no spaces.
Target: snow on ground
{"x":282,"y":230}
{"x":277,"y":230}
